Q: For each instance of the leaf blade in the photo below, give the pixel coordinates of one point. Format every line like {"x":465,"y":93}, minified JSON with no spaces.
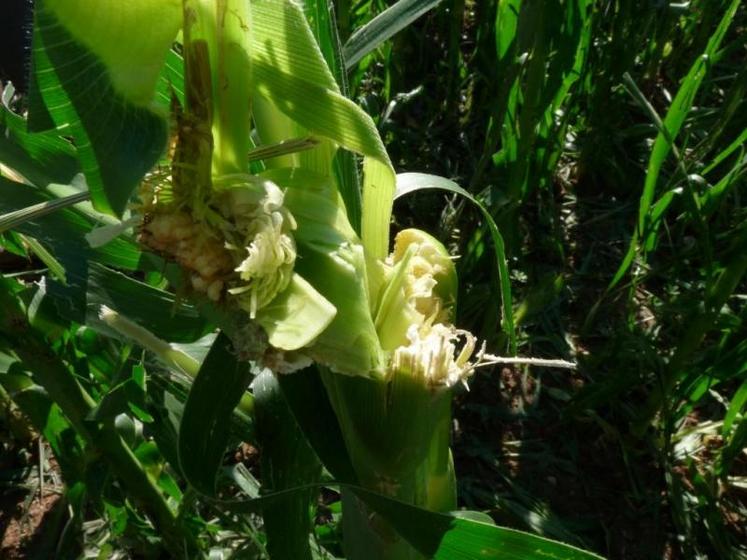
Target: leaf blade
{"x":381,"y":28}
{"x":204,"y":428}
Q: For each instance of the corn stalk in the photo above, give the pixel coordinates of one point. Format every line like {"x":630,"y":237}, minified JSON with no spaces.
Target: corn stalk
{"x":392,"y":404}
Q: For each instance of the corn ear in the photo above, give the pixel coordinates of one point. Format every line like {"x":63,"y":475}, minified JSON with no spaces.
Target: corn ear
{"x":419,"y":287}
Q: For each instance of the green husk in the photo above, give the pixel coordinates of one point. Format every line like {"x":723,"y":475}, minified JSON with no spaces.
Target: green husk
{"x":297,"y":316}
{"x":331,"y":258}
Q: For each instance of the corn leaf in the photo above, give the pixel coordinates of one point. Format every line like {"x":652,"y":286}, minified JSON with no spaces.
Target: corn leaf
{"x":321,"y":15}
{"x":439,"y":535}
{"x":100,"y":83}
{"x":54,"y":266}
{"x":41,"y":158}
{"x":287,"y":462}
{"x":296,"y":316}
{"x":308,"y":400}
{"x":204,"y":428}
{"x":155,"y":310}
{"x":290,"y":72}
{"x":47,"y":417}
{"x":444,"y":536}
{"x":64,"y":230}
{"x":12,"y":220}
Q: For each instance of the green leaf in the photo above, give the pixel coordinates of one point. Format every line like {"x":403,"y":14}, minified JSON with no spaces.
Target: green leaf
{"x":95,"y":79}
{"x":41,"y":158}
{"x":287,"y":462}
{"x":733,"y":448}
{"x":204,"y":429}
{"x":62,"y":244}
{"x":711,"y":199}
{"x":442,"y":536}
{"x":321,"y":15}
{"x":411,"y":182}
{"x":506,"y":28}
{"x":120,"y":399}
{"x":11,"y":220}
{"x":439,"y":535}
{"x":307,"y":398}
{"x":171,"y":80}
{"x":296,"y":316}
{"x":737,"y":144}
{"x":153,"y":309}
{"x":55,"y":268}
{"x":47,"y":417}
{"x":290,"y":72}
{"x":389,"y":22}
{"x":64,"y":229}
{"x":736,"y":406}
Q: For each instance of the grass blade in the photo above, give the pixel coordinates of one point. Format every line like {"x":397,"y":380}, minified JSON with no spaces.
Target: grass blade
{"x":12,"y":220}
{"x":389,"y":22}
{"x":53,"y":265}
{"x":671,"y":126}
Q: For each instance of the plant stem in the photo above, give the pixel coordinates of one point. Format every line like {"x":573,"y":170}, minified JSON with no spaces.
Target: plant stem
{"x":231,"y":87}
{"x":192,"y":168}
{"x":165,"y":351}
{"x":397,"y":435}
{"x":218,"y":90}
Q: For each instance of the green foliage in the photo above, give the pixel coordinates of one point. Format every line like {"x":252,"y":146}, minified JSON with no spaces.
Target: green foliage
{"x":602,"y":142}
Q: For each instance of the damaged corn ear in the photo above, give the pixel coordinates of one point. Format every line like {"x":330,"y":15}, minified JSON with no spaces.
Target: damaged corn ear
{"x":417,"y":308}
{"x":196,"y":247}
{"x":258,"y":233}
{"x":420,"y":287}
{"x":238,"y":248}
{"x":237,"y":245}
{"x":430,"y":261}
{"x":432,"y":355}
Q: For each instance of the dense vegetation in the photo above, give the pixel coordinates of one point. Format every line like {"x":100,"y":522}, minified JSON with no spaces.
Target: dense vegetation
{"x":605,"y":138}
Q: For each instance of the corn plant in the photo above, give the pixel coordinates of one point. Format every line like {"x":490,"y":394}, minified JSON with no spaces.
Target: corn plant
{"x":213,"y":140}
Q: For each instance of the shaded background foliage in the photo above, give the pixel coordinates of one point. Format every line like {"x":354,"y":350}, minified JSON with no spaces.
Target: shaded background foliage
{"x":588,"y":457}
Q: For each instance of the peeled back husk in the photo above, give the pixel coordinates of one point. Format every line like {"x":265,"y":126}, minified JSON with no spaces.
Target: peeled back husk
{"x":331,"y":259}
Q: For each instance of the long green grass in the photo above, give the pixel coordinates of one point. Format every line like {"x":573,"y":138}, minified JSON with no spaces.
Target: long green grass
{"x":608,"y":140}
